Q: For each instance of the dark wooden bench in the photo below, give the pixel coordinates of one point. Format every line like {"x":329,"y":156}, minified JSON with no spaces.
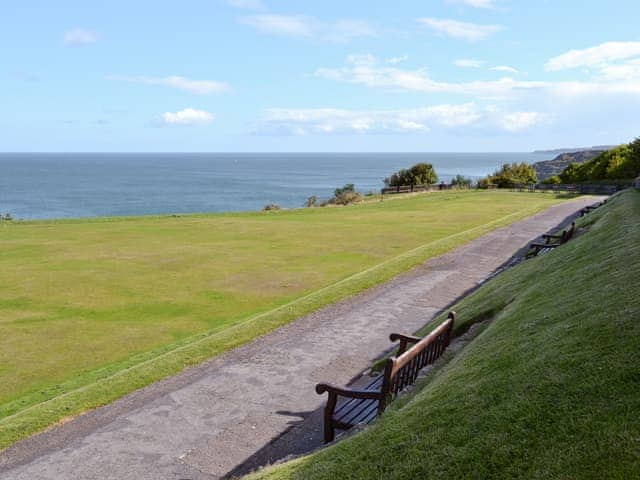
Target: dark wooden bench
{"x":552,"y":241}
{"x":364,"y":405}
{"x":591,"y":208}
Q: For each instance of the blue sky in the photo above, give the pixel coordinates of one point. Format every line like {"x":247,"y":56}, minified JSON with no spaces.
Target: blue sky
{"x":276,"y":75}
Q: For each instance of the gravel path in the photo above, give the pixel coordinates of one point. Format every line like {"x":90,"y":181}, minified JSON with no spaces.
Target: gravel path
{"x":257,"y":403}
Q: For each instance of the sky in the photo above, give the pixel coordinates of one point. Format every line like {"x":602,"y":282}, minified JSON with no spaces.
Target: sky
{"x":318,"y":75}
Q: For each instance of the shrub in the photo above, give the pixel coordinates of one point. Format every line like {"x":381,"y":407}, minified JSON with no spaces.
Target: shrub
{"x":555,"y":180}
{"x":511,"y":174}
{"x":271,"y":206}
{"x":312,"y":201}
{"x":419,"y":174}
{"x":461,"y":181}
{"x":348,"y":188}
{"x":343,"y":196}
{"x":483,"y":183}
{"x":346,"y":198}
{"x":620,"y":163}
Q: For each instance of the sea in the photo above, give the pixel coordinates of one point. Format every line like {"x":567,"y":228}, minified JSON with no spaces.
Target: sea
{"x":74,"y":185}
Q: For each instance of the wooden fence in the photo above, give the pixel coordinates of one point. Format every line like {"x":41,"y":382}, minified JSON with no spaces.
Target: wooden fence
{"x":416,"y":188}
{"x":590,"y":189}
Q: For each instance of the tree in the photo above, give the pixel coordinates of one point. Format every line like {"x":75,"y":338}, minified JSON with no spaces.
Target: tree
{"x":512,"y":174}
{"x":620,"y":163}
{"x":423,"y":174}
{"x":419,"y":174}
{"x":554,"y":180}
{"x":634,"y":156}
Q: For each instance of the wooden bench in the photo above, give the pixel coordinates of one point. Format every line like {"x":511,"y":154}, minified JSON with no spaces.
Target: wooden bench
{"x":364,"y":405}
{"x":591,"y":208}
{"x":548,"y":245}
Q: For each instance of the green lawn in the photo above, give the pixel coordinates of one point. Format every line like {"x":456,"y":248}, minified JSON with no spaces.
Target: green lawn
{"x":550,"y":388}
{"x":92,"y":309}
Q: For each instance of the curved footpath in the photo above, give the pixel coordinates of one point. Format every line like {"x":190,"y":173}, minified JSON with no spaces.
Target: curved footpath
{"x":257,"y":403}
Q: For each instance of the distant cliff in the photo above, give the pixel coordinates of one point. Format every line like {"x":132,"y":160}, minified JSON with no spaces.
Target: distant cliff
{"x":549,"y":168}
{"x":558,"y":151}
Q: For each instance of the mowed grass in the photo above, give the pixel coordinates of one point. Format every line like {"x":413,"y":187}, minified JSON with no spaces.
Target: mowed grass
{"x":548,"y":389}
{"x":92,"y":309}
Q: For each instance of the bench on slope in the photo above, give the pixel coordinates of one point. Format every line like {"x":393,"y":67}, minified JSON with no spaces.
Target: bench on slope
{"x":364,"y":405}
{"x":591,"y":208}
{"x":549,"y":239}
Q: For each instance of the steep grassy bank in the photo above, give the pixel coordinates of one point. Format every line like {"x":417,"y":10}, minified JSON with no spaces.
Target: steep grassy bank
{"x":549,"y":389}
{"x":93,"y":309}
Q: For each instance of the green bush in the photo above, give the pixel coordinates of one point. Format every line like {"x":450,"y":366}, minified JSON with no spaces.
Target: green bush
{"x":342,"y":196}
{"x":511,"y":174}
{"x":555,"y":180}
{"x":419,"y":174}
{"x":347,"y":198}
{"x":461,"y":181}
{"x":620,"y":163}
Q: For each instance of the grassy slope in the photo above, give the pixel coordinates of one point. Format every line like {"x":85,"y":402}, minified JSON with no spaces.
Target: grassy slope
{"x":93,"y":309}
{"x":550,"y":389}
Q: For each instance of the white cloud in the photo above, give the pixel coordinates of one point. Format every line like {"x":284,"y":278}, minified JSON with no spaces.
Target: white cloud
{"x":396,"y":60}
{"x":625,"y":71}
{"x":475,"y":3}
{"x":471,"y":32}
{"x":367,"y":70}
{"x":517,"y":121}
{"x":338,"y":31}
{"x":247,"y":4}
{"x":323,"y":121}
{"x":79,"y":37}
{"x":199,"y":87}
{"x":599,"y":55}
{"x":505,"y":68}
{"x":468,"y":63}
{"x":188,"y":116}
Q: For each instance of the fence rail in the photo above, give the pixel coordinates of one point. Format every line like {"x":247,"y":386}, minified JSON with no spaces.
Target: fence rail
{"x":593,"y":189}
{"x":570,"y":188}
{"x":416,"y":188}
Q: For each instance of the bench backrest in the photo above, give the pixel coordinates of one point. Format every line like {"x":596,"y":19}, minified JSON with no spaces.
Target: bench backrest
{"x":403,"y":370}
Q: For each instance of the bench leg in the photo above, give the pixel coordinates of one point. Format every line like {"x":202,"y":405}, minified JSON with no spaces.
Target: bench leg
{"x":329,"y":431}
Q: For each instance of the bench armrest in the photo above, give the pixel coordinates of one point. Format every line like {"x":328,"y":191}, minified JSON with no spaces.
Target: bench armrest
{"x":346,"y":392}
{"x":404,"y":340}
{"x":394,"y":337}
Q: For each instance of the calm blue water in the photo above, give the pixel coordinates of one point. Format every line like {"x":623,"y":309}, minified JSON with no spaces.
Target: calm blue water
{"x":34,"y":186}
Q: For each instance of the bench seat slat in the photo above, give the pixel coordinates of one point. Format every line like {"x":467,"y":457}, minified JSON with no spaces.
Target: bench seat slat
{"x":363,"y":408}
{"x":374,"y":386}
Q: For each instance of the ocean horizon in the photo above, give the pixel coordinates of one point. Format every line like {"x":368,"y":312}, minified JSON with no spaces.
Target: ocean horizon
{"x":76,"y":185}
